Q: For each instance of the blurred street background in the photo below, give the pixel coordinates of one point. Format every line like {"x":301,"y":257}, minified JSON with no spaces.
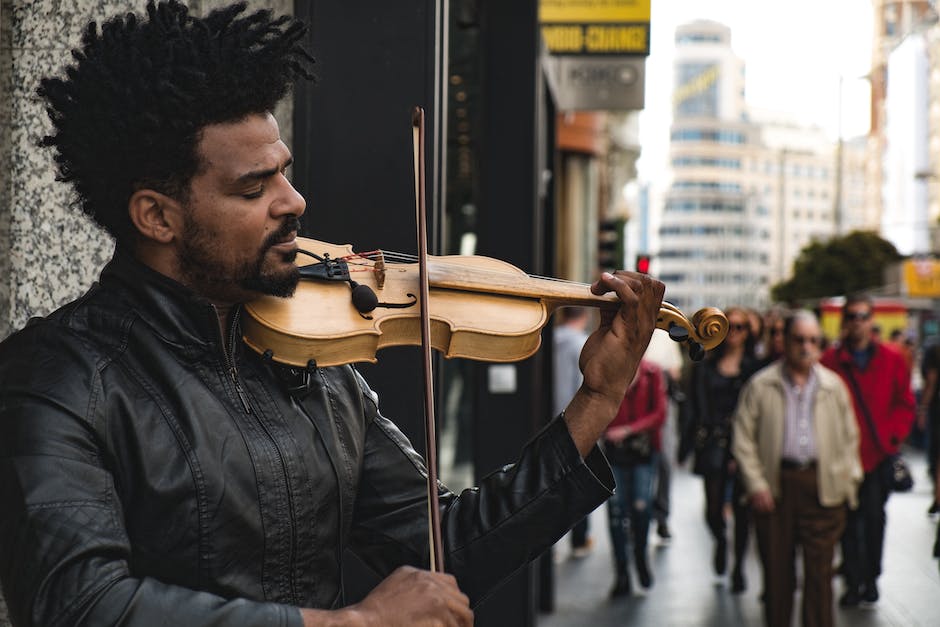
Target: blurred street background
{"x":686,"y":593}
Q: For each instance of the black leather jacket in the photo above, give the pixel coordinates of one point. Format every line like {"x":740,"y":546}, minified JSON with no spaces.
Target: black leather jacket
{"x":152,"y":472}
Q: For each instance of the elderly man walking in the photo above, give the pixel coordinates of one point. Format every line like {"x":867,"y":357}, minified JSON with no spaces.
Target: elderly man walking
{"x":796,"y":442}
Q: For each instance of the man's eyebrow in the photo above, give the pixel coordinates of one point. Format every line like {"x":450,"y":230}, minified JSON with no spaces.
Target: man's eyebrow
{"x":260,"y":175}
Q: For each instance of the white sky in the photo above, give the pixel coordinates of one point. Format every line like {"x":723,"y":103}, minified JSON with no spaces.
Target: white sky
{"x":793,"y":51}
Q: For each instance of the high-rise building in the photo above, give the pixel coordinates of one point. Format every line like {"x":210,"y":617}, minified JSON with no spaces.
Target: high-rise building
{"x":904,"y":220}
{"x":714,"y":232}
{"x":748,"y":189}
{"x":894,"y":20}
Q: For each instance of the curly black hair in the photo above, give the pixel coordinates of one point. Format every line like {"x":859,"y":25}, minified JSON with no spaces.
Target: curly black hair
{"x":129,"y":113}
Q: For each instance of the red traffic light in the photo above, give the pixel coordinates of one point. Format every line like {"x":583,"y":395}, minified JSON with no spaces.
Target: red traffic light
{"x":643,"y":264}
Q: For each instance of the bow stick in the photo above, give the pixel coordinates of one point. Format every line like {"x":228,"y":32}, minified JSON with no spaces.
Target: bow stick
{"x":430,"y":437}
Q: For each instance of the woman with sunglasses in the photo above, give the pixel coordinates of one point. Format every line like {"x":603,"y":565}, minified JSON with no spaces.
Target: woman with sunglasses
{"x":770,"y":346}
{"x":713,"y":388}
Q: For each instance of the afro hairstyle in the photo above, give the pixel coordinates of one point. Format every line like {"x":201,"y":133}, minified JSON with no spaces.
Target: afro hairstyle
{"x":129,"y":112}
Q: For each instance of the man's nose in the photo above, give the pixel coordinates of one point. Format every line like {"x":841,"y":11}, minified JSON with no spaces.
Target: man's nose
{"x":289,"y":201}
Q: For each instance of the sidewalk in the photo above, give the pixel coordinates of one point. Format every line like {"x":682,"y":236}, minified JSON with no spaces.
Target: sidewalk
{"x":686,"y":593}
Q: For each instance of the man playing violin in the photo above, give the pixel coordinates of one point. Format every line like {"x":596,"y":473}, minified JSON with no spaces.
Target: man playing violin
{"x":153,"y":468}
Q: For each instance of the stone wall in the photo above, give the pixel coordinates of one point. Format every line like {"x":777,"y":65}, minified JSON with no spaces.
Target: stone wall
{"x":49,"y":252}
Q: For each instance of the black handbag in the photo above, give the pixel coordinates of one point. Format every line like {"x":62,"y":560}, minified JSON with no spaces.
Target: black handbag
{"x":892,"y":470}
{"x":712,"y":446}
{"x":895,"y":474}
{"x":633,"y":450}
{"x":636,"y":448}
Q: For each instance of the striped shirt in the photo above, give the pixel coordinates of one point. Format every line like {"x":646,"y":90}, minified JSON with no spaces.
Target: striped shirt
{"x":799,"y":438}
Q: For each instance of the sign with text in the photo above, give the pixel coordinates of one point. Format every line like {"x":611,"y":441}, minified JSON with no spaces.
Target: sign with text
{"x":922,"y":278}
{"x":593,"y":84}
{"x":596,"y":27}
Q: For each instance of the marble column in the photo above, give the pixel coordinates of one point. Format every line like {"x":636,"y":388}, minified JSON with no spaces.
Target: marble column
{"x":49,"y":251}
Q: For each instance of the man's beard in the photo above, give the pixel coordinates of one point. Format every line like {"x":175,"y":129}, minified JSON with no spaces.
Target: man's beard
{"x":202,"y":269}
{"x":857,"y":338}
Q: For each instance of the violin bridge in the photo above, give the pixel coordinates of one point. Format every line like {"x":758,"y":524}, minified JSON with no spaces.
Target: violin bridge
{"x":379,"y":269}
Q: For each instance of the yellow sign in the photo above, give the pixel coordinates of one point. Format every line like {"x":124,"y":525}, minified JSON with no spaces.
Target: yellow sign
{"x":593,"y":11}
{"x":697,"y":85}
{"x":597,"y":38}
{"x":922,"y":277}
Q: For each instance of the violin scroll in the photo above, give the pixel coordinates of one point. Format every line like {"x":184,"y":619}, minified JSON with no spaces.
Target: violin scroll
{"x":706,"y":330}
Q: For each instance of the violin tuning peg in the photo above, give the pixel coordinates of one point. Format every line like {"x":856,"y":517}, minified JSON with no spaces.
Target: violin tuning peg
{"x":678,"y":333}
{"x":696,"y":351}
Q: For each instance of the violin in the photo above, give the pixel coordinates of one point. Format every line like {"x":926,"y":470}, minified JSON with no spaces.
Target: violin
{"x":350,"y":305}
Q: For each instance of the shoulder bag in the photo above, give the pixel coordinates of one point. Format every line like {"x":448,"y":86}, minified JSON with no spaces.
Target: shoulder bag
{"x":636,"y":448}
{"x":894,"y":472}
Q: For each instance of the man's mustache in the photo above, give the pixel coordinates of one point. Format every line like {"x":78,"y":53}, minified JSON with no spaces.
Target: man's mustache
{"x":291,"y":224}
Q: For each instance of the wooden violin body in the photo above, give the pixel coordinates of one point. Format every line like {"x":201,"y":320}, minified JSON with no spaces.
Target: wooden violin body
{"x":350,"y":306}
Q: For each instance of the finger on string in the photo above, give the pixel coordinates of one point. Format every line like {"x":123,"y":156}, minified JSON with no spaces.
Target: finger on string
{"x":604,"y":284}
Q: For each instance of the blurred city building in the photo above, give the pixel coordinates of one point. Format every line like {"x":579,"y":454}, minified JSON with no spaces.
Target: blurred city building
{"x":903,"y":125}
{"x":896,"y":194}
{"x":714,"y":235}
{"x":748,"y":189}
{"x":903,"y":162}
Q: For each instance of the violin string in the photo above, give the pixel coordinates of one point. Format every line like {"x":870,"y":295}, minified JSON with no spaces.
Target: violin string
{"x":396,"y":257}
{"x":407,"y":258}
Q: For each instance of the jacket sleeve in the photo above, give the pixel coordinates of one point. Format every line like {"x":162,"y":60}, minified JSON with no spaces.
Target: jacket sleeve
{"x":744,"y":444}
{"x":654,"y":412}
{"x":489,"y":531}
{"x":902,"y":405}
{"x":851,"y":441}
{"x":64,"y":553}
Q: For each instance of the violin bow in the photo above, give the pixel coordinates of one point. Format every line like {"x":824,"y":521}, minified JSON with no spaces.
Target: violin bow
{"x":430,"y":437}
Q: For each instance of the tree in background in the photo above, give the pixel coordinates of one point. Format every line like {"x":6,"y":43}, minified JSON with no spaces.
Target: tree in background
{"x":841,"y":265}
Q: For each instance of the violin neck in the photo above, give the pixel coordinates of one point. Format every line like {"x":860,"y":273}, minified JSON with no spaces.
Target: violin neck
{"x":553,"y":292}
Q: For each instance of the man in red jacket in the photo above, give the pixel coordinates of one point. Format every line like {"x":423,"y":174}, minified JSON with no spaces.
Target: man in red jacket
{"x":880,"y":384}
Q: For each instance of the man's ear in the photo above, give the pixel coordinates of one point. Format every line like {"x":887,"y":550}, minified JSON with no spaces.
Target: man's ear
{"x":156,"y":216}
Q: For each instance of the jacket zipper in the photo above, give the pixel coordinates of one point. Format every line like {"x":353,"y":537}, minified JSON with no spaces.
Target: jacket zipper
{"x":228,"y":351}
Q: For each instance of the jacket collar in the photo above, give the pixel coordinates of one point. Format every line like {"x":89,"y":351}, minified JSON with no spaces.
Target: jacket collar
{"x":822,"y":380}
{"x":844,"y":355}
{"x":174,"y":311}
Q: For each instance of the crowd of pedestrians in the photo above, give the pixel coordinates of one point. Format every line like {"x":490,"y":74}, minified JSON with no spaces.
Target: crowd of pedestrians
{"x":793,"y":434}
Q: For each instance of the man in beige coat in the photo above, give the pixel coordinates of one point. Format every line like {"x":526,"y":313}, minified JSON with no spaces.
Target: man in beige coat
{"x":796,"y":442}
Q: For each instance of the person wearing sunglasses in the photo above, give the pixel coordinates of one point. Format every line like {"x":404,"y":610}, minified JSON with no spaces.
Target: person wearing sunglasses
{"x":880,"y":384}
{"x":796,"y":443}
{"x":713,"y":387}
{"x":770,"y":346}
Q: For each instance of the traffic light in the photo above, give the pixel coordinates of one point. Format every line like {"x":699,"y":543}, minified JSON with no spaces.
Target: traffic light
{"x":643,"y":264}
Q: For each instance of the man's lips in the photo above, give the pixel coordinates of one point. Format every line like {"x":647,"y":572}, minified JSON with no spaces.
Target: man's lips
{"x":289,"y":241}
